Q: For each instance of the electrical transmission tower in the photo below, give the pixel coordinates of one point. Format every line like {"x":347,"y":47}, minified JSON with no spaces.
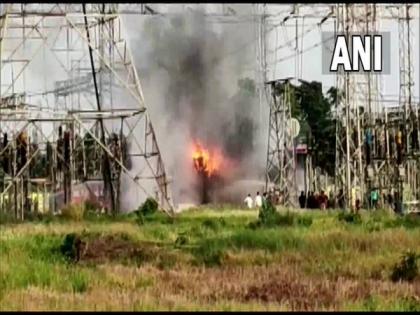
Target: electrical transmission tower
{"x":409,"y":168}
{"x":281,"y":160}
{"x":377,"y":147}
{"x":355,"y":109}
{"x":72,"y":111}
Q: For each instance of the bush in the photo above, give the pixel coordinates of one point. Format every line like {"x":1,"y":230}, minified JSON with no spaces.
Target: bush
{"x":268,"y":215}
{"x":350,"y":217}
{"x":70,"y":248}
{"x":406,"y":269}
{"x":74,"y":212}
{"x":149,"y":207}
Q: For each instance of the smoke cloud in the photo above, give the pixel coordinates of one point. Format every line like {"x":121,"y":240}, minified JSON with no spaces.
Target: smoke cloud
{"x":195,"y":84}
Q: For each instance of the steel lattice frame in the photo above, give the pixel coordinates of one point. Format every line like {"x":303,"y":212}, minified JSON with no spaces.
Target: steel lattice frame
{"x":281,"y":162}
{"x":411,"y":163}
{"x":361,"y":109}
{"x":350,"y":167}
{"x":60,"y":66}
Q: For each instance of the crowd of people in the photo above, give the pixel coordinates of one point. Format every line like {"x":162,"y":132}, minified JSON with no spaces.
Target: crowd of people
{"x":314,"y":200}
{"x":321,"y":200}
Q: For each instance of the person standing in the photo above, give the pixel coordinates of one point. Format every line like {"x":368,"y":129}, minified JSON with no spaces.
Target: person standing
{"x":248,"y":201}
{"x":311,"y":200}
{"x":374,"y":196}
{"x":340,"y":199}
{"x":302,"y":200}
{"x":258,"y":200}
{"x":323,"y":200}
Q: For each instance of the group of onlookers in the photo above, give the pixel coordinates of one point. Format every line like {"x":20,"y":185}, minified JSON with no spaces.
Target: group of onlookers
{"x":257,"y":202}
{"x":314,"y":200}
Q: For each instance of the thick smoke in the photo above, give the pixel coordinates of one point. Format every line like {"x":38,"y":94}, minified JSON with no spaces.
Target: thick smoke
{"x":195,"y":89}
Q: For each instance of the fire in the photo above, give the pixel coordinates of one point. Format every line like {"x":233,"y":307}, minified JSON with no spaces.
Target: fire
{"x":205,"y":161}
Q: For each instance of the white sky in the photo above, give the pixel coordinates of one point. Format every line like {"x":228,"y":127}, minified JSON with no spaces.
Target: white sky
{"x":311,"y":59}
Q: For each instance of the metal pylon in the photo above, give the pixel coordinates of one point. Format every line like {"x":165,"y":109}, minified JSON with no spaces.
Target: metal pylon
{"x":69,"y":65}
{"x":281,"y":161}
{"x":357,"y":102}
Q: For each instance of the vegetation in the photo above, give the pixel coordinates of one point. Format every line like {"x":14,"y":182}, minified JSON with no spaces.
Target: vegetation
{"x":74,"y":212}
{"x":314,"y":110}
{"x":212,"y":260}
{"x":149,"y":207}
{"x":269,"y":217}
{"x":350,"y":217}
{"x":407,"y":268}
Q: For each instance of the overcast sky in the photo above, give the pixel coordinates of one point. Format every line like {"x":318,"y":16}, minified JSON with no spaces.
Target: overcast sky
{"x":310,"y":60}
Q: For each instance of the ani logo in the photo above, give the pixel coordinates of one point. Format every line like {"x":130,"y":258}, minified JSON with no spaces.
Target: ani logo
{"x":368,"y":53}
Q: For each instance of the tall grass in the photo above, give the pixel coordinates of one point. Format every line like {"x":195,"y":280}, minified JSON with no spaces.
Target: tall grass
{"x":219,"y":241}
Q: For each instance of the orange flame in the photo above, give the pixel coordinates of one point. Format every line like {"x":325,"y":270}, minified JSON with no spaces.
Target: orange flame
{"x":205,"y":161}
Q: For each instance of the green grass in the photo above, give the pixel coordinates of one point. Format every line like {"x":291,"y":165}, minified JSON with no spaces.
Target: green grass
{"x":204,"y":253}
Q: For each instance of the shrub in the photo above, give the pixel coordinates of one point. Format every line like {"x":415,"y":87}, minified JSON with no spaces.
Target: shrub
{"x":267,"y":215}
{"x":406,"y":269}
{"x":150,"y":206}
{"x":74,"y":211}
{"x":70,"y":248}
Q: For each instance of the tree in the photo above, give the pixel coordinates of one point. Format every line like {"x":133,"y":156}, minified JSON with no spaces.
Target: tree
{"x":314,"y":108}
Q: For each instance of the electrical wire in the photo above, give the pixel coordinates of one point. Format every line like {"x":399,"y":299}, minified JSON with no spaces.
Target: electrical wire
{"x":303,"y":51}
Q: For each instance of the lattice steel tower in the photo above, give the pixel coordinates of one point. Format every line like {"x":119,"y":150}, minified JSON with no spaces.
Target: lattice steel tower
{"x":70,"y":94}
{"x":281,"y":160}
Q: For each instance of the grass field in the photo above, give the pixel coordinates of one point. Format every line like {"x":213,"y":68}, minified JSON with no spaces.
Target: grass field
{"x":210,"y":259}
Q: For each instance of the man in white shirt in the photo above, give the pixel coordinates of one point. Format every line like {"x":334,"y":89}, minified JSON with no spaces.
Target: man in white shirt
{"x":248,"y":201}
{"x":258,"y":200}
